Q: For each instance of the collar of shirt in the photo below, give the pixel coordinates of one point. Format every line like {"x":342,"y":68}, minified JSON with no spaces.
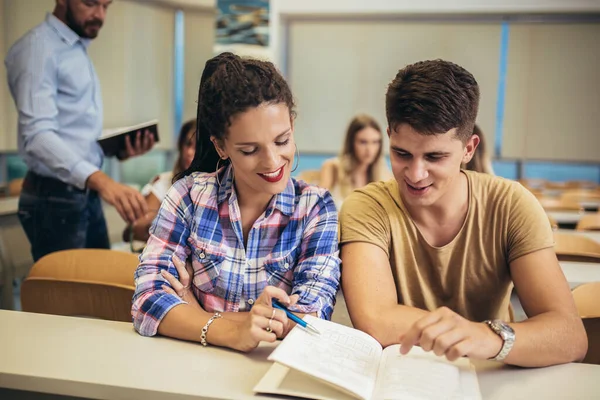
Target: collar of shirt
{"x":284,"y":201}
{"x":67,"y":34}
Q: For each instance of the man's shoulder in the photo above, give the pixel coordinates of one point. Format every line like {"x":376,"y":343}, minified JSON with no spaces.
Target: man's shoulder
{"x":38,"y":39}
{"x":382,"y":195}
{"x":488,"y":187}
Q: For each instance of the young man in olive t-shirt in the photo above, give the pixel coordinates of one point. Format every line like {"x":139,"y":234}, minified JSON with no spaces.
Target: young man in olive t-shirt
{"x":430,"y":257}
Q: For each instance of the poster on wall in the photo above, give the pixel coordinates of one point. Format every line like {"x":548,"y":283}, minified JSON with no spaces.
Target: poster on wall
{"x":243,"y":28}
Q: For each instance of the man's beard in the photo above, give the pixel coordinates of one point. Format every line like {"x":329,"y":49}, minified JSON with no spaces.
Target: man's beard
{"x":78,"y":28}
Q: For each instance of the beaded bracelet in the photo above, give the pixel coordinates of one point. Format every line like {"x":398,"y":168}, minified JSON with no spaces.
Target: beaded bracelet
{"x":205,"y":328}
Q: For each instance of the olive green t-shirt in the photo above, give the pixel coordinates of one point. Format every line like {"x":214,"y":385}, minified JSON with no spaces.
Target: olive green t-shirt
{"x":469,"y":275}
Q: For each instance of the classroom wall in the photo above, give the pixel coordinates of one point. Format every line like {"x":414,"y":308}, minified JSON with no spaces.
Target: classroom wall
{"x":4,"y":98}
{"x":552,"y":79}
{"x":340,"y":68}
{"x":553,"y":92}
{"x":18,"y":17}
{"x":133,"y":56}
{"x":280,"y":10}
{"x":199,"y":38}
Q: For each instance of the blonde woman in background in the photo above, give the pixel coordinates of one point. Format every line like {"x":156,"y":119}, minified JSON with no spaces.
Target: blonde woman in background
{"x":481,"y":161}
{"x":360,"y":163}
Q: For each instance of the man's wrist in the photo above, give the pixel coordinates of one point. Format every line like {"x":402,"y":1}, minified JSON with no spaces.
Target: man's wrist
{"x":506,"y":334}
{"x":96,"y":181}
{"x":494,"y":340}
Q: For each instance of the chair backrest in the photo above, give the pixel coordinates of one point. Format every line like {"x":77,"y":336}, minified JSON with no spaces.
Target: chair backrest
{"x":553,"y":204}
{"x":589,"y":222}
{"x":533,"y":183}
{"x":592,"y":329}
{"x":83,"y":282}
{"x":571,"y":247}
{"x":580,"y":195}
{"x":311,"y":176}
{"x":587,"y":300}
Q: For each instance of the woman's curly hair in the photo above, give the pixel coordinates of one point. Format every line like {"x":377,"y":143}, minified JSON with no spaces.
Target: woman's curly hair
{"x":231,"y":85}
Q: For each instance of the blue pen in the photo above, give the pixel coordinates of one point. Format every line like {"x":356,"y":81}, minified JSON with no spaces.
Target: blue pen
{"x":295,"y":318}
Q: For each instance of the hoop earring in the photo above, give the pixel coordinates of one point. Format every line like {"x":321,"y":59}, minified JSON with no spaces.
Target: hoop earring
{"x":297,"y":160}
{"x":217,"y":170}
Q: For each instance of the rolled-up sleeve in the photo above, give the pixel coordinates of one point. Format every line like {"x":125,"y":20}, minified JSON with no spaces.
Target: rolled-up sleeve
{"x":32,"y":78}
{"x":317,"y":273}
{"x":168,"y":239}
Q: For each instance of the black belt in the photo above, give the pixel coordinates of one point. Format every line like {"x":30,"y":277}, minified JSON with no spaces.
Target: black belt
{"x":43,"y":184}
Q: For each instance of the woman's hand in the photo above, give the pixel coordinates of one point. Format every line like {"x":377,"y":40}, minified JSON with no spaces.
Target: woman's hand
{"x":263,"y":322}
{"x":182,"y":286}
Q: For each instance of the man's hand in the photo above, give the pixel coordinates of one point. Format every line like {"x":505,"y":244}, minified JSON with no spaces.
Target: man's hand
{"x":448,"y":334}
{"x":129,"y":203}
{"x":142,"y":145}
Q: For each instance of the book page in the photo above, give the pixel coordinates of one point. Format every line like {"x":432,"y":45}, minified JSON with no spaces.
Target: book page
{"x":342,"y":356}
{"x":285,"y":381}
{"x":423,"y":375}
{"x":110,"y":132}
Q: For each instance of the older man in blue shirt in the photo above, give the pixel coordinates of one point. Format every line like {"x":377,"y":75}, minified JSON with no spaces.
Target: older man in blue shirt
{"x":57,"y":95}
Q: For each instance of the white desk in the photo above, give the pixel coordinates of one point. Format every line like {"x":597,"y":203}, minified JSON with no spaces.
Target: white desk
{"x":594,"y":235}
{"x":578,"y":273}
{"x":108,"y":360}
{"x":15,"y":251}
{"x":566,"y":217}
{"x":590,"y":204}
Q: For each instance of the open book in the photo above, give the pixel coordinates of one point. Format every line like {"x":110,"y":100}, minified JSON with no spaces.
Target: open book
{"x":345,"y":363}
{"x":112,"y":141}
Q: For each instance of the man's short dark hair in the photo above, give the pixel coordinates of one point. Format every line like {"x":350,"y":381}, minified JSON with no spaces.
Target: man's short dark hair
{"x":433,"y":97}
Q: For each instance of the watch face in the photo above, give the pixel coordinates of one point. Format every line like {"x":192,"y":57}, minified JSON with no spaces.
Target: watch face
{"x":503,"y":328}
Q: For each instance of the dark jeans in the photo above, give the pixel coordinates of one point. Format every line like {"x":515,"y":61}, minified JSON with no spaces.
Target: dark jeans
{"x":57,"y":216}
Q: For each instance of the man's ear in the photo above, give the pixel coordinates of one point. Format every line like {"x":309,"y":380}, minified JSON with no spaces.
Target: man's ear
{"x":388,"y":131}
{"x":219,"y":148}
{"x":470,"y":148}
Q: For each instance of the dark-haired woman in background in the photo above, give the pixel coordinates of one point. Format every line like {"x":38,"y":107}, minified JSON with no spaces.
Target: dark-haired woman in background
{"x":360,"y":162}
{"x":156,"y":190}
{"x":481,"y":161}
{"x":248,"y":231}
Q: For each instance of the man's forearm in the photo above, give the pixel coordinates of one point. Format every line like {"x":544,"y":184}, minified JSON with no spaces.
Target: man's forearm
{"x":389,"y":324}
{"x":547,"y":339}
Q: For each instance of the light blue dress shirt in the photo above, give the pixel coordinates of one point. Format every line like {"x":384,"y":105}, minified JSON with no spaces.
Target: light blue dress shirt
{"x":57,"y":95}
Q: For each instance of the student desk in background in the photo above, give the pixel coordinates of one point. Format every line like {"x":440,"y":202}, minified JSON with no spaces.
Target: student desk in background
{"x":578,"y":273}
{"x":15,"y":251}
{"x":594,"y":235}
{"x":105,"y":360}
{"x":567,"y":219}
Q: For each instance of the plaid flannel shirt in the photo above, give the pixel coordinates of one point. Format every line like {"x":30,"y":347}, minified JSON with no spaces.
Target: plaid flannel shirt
{"x":293,"y":245}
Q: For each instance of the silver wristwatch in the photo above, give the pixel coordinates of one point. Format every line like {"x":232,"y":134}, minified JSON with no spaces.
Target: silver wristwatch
{"x":506,"y":333}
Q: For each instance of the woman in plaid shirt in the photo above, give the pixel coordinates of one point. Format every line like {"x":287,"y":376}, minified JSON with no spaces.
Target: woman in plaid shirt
{"x":247,"y":230}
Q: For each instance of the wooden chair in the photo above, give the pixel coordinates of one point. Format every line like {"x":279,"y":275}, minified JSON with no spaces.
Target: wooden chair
{"x":533,"y":183}
{"x":587,"y":300}
{"x":590,"y":222}
{"x":569,"y":247}
{"x":587,"y":199}
{"x":310,"y":176}
{"x":575,"y":184}
{"x":83,"y":282}
{"x":552,"y":204}
{"x":15,"y":186}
